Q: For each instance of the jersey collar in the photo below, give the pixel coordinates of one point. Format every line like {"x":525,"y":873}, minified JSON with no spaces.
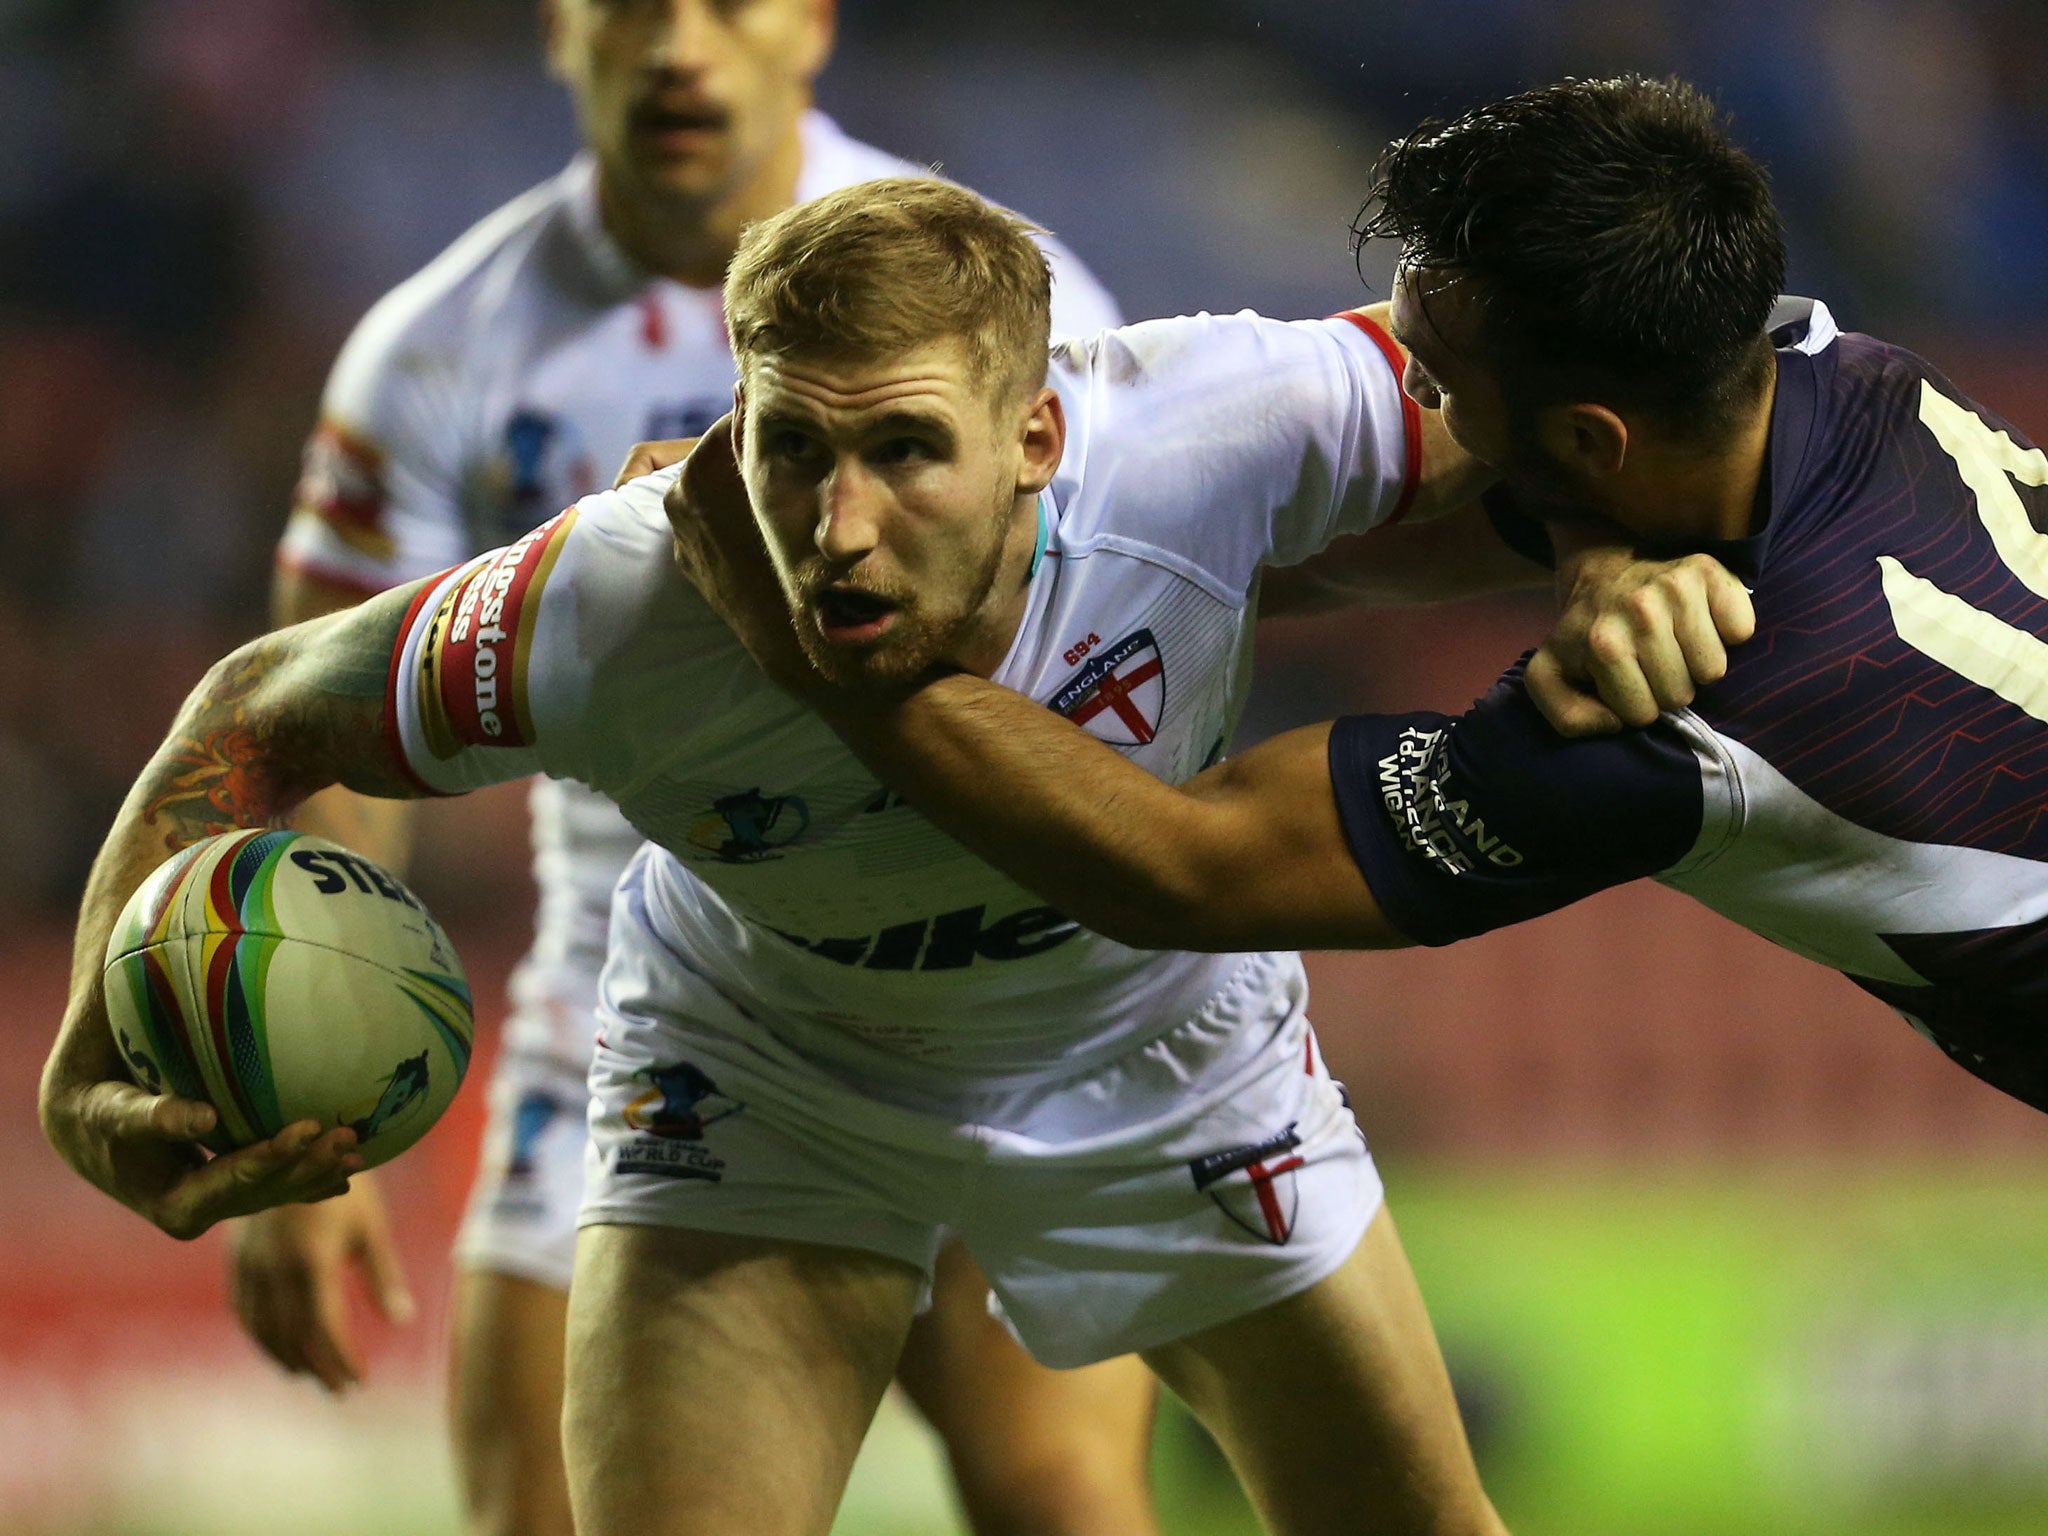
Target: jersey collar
{"x":1044,"y":533}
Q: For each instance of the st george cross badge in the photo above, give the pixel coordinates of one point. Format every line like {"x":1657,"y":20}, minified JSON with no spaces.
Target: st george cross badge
{"x":1254,"y":1185}
{"x":1120,"y":693}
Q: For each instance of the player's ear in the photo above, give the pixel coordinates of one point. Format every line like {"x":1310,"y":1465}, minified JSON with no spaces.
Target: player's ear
{"x":551,"y":25}
{"x":1588,"y":439}
{"x":817,"y":30}
{"x":1044,"y":442}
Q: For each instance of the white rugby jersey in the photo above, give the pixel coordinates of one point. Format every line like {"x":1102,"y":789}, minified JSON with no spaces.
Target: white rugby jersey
{"x":503,"y":381}
{"x":1198,"y":450}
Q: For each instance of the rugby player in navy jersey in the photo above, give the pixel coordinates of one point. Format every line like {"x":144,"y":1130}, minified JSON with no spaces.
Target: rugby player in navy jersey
{"x":1588,"y":292}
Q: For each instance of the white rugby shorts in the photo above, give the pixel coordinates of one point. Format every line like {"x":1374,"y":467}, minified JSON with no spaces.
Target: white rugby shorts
{"x":521,"y":1218}
{"x":1213,"y":1170}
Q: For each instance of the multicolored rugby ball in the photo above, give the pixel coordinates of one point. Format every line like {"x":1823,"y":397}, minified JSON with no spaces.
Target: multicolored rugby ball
{"x":279,"y":977}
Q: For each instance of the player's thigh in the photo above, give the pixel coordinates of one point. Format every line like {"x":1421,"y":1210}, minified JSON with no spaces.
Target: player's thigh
{"x":505,"y":1402}
{"x":1036,"y":1452}
{"x":720,"y":1385}
{"x":1335,"y":1407}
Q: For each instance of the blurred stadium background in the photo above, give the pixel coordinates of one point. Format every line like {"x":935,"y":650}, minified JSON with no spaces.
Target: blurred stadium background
{"x":1715,"y":1244}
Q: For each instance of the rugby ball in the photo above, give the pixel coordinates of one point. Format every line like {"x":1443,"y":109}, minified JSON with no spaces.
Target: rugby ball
{"x":280,"y":977}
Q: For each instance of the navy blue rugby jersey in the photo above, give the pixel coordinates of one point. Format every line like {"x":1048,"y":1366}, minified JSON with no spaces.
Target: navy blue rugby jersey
{"x":1867,"y":787}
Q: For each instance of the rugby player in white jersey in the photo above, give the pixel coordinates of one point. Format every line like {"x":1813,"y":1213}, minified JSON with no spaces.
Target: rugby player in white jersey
{"x":490,"y":391}
{"x":829,"y":1035}
{"x":1590,"y":286}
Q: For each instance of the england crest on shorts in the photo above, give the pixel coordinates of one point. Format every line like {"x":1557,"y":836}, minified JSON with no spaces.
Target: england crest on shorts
{"x":1119,"y":693}
{"x":1254,"y":1185}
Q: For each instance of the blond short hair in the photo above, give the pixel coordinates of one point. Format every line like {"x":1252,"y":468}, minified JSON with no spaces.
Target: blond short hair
{"x":883,"y":267}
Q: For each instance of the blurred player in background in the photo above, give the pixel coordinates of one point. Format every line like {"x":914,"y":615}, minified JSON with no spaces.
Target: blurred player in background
{"x":494,"y":388}
{"x":1589,"y":295}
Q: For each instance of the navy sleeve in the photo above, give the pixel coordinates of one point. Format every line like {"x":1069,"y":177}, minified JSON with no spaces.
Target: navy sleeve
{"x":1469,"y":824}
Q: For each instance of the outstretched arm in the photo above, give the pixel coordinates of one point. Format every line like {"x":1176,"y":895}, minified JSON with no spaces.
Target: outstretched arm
{"x":284,"y":716}
{"x":1633,"y":637}
{"x":1096,"y":835}
{"x":1247,"y":855}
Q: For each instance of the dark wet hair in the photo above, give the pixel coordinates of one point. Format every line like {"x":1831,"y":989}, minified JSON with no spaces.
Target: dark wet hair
{"x":1621,"y":248}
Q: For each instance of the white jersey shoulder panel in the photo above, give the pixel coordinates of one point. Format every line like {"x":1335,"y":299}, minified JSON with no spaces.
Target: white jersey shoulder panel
{"x":1218,"y":444}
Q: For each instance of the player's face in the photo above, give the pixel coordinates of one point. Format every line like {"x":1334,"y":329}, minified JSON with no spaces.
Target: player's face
{"x":890,"y":493}
{"x":685,"y":99}
{"x":1435,"y":317}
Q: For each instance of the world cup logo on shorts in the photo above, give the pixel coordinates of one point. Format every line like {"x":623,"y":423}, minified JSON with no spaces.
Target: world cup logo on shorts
{"x":680,"y":1103}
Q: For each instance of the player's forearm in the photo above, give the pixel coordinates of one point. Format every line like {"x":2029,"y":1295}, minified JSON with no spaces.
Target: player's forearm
{"x":380,"y":830}
{"x":1063,"y":815}
{"x":224,"y":765}
{"x":84,"y":1051}
{"x":284,"y":716}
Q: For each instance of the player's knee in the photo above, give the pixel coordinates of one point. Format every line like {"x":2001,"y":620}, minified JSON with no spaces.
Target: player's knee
{"x":511,"y":1475}
{"x":515,"y":1516}
{"x":508,"y":1455}
{"x":512,"y":1478}
{"x":1082,"y":1490}
{"x":1460,"y":1511}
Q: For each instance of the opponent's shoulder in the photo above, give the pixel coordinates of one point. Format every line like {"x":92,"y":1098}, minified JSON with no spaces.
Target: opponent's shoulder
{"x":1855,"y":398}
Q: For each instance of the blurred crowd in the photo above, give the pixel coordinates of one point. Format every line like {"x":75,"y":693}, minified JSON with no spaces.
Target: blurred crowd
{"x":198,"y":197}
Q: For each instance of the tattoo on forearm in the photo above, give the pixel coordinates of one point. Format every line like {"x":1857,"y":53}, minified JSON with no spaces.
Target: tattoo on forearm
{"x":213,"y":774}
{"x":283,"y":717}
{"x":216,"y":783}
{"x":253,"y":743}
